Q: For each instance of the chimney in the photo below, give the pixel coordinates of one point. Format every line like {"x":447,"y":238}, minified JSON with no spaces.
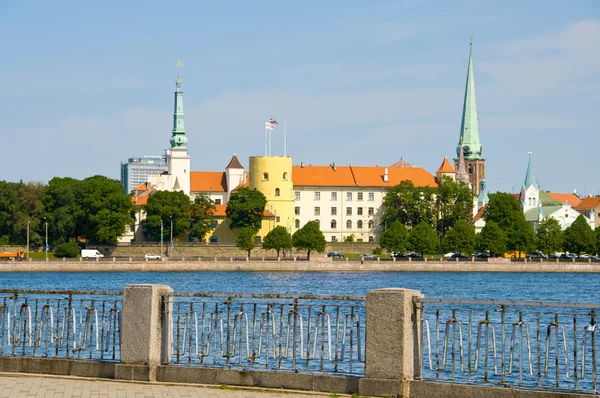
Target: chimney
{"x":385,"y":175}
{"x":334,"y":166}
{"x":302,"y":164}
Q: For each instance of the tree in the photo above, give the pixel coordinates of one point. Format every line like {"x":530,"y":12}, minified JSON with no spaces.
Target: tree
{"x":549,"y":236}
{"x":202,"y":211}
{"x":395,"y":238}
{"x":504,"y":209}
{"x":63,"y":209}
{"x":70,"y":249}
{"x":408,"y":204}
{"x":309,"y":238}
{"x":460,"y":239}
{"x":492,"y":239}
{"x":245,"y":239}
{"x":453,"y":201}
{"x":597,"y":240}
{"x":245,"y":208}
{"x":166,"y":206}
{"x":277,"y":239}
{"x":579,"y":237}
{"x":423,"y":239}
{"x":520,"y":236}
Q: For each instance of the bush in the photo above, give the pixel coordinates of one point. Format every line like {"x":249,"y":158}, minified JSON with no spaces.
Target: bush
{"x":377,"y":251}
{"x":70,"y":249}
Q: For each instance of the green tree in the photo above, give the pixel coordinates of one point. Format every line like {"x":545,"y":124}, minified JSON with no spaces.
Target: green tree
{"x":278,"y":239}
{"x":408,"y":204}
{"x":395,"y":238}
{"x":423,"y":239}
{"x":460,"y":239}
{"x":309,"y":238}
{"x":245,"y":208}
{"x":520,"y":236}
{"x":70,"y":249}
{"x":166,"y":206}
{"x":246,"y":239}
{"x":20,"y":205}
{"x":579,"y":237}
{"x":63,"y":210}
{"x":504,"y":209}
{"x":202,"y":210}
{"x":492,"y":239}
{"x":549,"y":236}
{"x":597,"y":240}
{"x":453,"y":201}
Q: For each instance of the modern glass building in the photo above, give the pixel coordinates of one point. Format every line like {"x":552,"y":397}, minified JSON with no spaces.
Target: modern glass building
{"x":136,"y":170}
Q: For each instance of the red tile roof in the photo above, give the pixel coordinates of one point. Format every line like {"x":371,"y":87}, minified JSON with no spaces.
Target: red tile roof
{"x":361,"y":176}
{"x":480,"y":213}
{"x":234,"y":163}
{"x":588,"y":203}
{"x":446,"y":167}
{"x":208,"y":181}
{"x":568,"y":198}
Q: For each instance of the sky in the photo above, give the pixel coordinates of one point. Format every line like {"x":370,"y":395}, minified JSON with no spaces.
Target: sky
{"x":86,"y":85}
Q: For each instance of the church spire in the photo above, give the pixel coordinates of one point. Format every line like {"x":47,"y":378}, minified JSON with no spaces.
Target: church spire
{"x":178,"y":138}
{"x":529,"y":178}
{"x":469,"y":128}
{"x":461,"y":171}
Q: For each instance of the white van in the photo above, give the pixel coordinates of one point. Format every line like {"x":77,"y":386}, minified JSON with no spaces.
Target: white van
{"x":91,"y":254}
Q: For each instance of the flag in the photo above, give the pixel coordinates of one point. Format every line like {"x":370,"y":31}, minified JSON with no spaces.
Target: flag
{"x":172,"y":245}
{"x":268,"y":126}
{"x":47,"y":247}
{"x":273,"y":121}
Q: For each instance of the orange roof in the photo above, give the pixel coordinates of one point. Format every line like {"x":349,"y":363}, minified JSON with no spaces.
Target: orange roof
{"x":221,"y":211}
{"x":142,"y":198}
{"x":517,"y":196}
{"x":588,"y":203}
{"x":359,"y":176}
{"x":480,"y":213}
{"x":446,"y":167}
{"x":141,"y":187}
{"x":208,"y":181}
{"x":568,"y":198}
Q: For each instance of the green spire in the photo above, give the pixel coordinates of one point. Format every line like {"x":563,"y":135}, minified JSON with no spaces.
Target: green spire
{"x":469,"y":129}
{"x":529,"y":178}
{"x":178,"y":138}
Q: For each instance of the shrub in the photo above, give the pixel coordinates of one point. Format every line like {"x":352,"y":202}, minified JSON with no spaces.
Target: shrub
{"x":69,"y":249}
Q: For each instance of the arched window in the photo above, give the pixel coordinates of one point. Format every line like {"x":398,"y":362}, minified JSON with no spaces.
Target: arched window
{"x":318,"y":223}
{"x":297,"y":223}
{"x":371,"y":224}
{"x":348,"y":224}
{"x":333,"y":224}
{"x":266,"y":176}
{"x":276,"y":191}
{"x":359,"y":224}
{"x":285,"y":176}
{"x":533,"y":199}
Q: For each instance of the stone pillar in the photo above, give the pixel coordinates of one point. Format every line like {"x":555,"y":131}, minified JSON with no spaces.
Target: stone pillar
{"x":141,"y":333}
{"x":391,"y":352}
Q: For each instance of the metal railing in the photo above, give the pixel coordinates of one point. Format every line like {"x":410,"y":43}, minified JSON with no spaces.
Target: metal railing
{"x":300,"y":333}
{"x":60,"y":324}
{"x":542,"y":345}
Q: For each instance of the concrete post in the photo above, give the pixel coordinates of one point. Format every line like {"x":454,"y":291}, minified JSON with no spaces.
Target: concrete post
{"x":141,"y":334}
{"x":392,"y":337}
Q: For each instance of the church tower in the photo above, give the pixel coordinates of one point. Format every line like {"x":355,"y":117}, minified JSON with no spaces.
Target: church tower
{"x":468,"y":142}
{"x":179,"y":161}
{"x":530,"y":192}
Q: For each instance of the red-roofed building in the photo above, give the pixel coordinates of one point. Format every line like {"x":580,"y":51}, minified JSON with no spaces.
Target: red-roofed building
{"x":590,"y":207}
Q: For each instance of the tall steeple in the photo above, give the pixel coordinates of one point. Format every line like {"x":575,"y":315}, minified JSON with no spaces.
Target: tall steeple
{"x":469,"y":128}
{"x":529,"y":178}
{"x":461,"y":172}
{"x":178,"y":138}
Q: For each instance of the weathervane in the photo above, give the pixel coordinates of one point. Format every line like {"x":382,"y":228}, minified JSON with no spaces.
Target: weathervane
{"x":178,"y":68}
{"x":530,"y":153}
{"x":471,"y":37}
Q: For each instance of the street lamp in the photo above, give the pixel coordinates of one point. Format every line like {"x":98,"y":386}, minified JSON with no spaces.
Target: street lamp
{"x":28,"y":239}
{"x":46,"y":238}
{"x":161,"y":238}
{"x":171,"y":253}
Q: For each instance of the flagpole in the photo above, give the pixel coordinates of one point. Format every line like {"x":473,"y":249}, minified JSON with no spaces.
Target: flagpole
{"x":284,"y":137}
{"x":266,"y":135}
{"x":270,"y":136}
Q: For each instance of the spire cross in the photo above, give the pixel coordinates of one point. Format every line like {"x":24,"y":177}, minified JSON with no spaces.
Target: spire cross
{"x":178,"y":64}
{"x":530,"y":153}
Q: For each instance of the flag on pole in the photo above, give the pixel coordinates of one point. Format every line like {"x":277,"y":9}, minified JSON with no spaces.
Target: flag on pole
{"x":172,"y":245}
{"x":268,"y":126}
{"x":273,"y":121}
{"x":47,"y":247}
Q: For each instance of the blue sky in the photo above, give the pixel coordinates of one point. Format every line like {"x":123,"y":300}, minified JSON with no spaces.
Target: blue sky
{"x":85,"y":85}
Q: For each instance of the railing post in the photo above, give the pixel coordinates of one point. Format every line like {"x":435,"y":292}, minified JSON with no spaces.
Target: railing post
{"x":392,"y":342}
{"x":141,"y":333}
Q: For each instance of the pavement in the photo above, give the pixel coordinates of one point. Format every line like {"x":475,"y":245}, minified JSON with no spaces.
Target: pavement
{"x":27,"y":385}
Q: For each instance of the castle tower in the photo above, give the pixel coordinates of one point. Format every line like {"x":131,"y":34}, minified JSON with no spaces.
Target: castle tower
{"x":234,"y":174}
{"x":445,"y":170}
{"x":530,"y":191}
{"x":179,"y":161}
{"x":272,"y":175}
{"x":468,"y":142}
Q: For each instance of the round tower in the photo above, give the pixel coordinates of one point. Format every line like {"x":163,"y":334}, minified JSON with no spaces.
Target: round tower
{"x":272,"y":175}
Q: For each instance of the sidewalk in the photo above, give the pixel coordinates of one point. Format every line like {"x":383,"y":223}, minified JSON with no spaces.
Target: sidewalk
{"x":25,"y":385}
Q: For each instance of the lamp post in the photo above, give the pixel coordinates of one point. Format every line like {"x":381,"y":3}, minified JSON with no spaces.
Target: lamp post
{"x":161,"y":238}
{"x":171,"y":250}
{"x":28,"y":239}
{"x":46,"y":239}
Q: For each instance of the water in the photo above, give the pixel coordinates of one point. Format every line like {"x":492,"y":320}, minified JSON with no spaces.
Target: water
{"x":472,"y":285}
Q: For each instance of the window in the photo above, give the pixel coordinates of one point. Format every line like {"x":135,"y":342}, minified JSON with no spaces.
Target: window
{"x":334,"y":196}
{"x":297,"y":224}
{"x":277,"y":219}
{"x":348,"y":224}
{"x":317,"y":211}
{"x":348,"y":195}
{"x":297,"y":210}
{"x":318,"y":223}
{"x":317,"y":195}
{"x":359,"y":224}
{"x":359,"y":196}
{"x":265,"y":176}
{"x":296,"y":195}
{"x":214,"y":224}
{"x":217,"y":201}
{"x":371,"y":223}
{"x":334,"y":238}
{"x":371,"y":211}
{"x":284,"y":176}
{"x":257,"y":240}
{"x":334,"y":211}
{"x":348,"y":211}
{"x":359,"y":211}
{"x":371,"y":239}
{"x":371,"y":196}
{"x":333,"y":224}
{"x":277,"y":192}
{"x":214,"y":239}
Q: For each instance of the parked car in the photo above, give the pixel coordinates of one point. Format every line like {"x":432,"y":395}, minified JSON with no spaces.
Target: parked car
{"x":415,"y":256}
{"x":149,"y":256}
{"x":568,"y":255}
{"x":448,"y":255}
{"x":460,"y":256}
{"x":555,"y":255}
{"x":367,"y":257}
{"x":536,"y":255}
{"x":335,"y":255}
{"x":480,"y":255}
{"x":399,"y":256}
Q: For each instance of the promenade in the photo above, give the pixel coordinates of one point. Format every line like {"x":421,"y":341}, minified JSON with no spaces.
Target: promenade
{"x":23,"y":385}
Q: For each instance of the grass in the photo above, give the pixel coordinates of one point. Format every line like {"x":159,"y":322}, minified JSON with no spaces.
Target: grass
{"x":41,"y":255}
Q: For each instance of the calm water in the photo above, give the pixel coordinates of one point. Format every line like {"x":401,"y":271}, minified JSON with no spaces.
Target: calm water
{"x":517,"y":286}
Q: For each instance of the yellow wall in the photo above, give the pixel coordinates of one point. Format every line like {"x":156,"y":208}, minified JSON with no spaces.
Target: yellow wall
{"x":228,"y":236}
{"x":279,"y":170}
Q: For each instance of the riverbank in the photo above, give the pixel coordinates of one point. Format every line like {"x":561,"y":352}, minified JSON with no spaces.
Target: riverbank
{"x":296,"y":266}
